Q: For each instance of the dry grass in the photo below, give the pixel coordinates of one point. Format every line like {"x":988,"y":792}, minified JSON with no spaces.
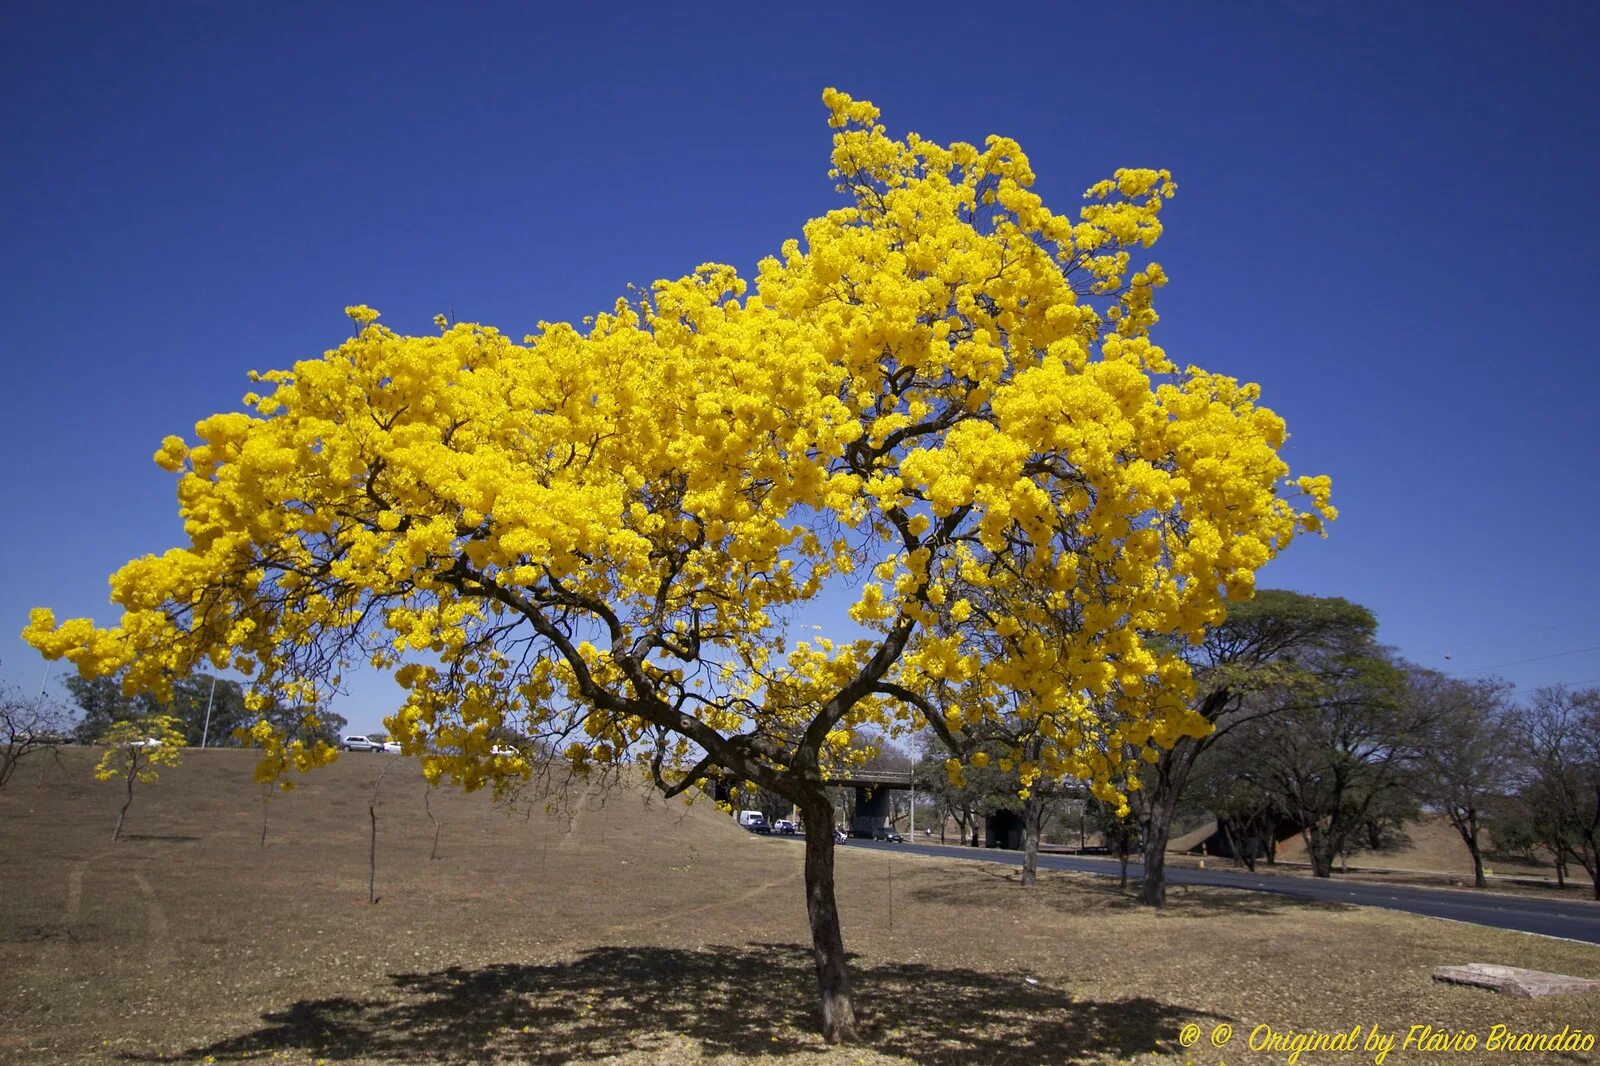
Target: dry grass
{"x":637,"y":931}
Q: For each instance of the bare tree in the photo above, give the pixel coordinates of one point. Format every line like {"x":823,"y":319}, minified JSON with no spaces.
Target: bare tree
{"x":1468,"y":763}
{"x":27,"y":727}
{"x":1560,"y":733}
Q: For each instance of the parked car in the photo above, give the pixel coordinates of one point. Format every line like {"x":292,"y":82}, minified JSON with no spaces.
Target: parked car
{"x":505,"y":751}
{"x":784,"y":826}
{"x":840,"y":836}
{"x":392,"y":747}
{"x":883,"y":832}
{"x":754,"y":821}
{"x":357,"y":742}
{"x":146,"y":742}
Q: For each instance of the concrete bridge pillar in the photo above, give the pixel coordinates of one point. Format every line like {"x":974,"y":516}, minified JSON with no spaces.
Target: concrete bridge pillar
{"x":872,"y":810}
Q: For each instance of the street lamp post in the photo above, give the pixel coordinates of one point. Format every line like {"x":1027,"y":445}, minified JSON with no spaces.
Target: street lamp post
{"x":205,"y":730}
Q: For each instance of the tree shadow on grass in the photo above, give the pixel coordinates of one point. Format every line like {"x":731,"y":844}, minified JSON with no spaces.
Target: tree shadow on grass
{"x":1077,"y":892}
{"x":756,"y":1000}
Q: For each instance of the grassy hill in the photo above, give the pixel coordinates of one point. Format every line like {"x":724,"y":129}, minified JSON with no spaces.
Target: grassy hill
{"x":622,"y":928}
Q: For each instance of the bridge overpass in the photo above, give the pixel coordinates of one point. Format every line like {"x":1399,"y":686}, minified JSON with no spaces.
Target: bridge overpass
{"x":872,"y":789}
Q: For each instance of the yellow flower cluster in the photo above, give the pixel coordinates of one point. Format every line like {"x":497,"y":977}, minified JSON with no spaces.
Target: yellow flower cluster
{"x":597,"y":537}
{"x":139,"y":747}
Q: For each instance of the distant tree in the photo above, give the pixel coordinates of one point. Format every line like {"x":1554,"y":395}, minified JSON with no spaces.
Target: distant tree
{"x":966,"y":794}
{"x":1341,"y":764}
{"x":1246,"y":813}
{"x":1559,"y":731}
{"x":1469,"y":757}
{"x":206,"y":708}
{"x":101,"y":702}
{"x":209,"y":708}
{"x":136,"y":749}
{"x":27,"y":727}
{"x":1258,"y":661}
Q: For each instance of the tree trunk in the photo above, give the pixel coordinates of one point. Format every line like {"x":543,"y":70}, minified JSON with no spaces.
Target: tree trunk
{"x":372,"y":856}
{"x":1032,"y":815}
{"x":827,"y":941}
{"x":1471,"y":835}
{"x":427,"y":805}
{"x":1158,"y":830}
{"x":1153,"y":889}
{"x":1321,"y":852}
{"x":116,"y":834}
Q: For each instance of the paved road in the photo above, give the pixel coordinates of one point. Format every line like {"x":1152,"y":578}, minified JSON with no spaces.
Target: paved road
{"x":1574,"y":919}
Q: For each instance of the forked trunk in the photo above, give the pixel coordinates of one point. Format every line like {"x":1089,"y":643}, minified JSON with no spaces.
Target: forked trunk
{"x":827,"y":941}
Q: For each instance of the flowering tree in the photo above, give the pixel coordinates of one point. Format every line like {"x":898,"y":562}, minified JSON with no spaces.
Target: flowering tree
{"x":136,"y":749}
{"x":602,"y":538}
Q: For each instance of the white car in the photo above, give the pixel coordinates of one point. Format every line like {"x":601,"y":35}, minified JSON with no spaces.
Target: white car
{"x":504,"y":751}
{"x":392,"y":747}
{"x":147,"y":742}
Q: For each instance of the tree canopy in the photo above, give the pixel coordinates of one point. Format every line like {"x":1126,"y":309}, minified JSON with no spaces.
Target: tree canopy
{"x":600,"y":536}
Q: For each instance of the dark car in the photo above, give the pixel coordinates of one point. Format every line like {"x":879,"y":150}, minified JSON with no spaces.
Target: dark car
{"x":883,"y":832}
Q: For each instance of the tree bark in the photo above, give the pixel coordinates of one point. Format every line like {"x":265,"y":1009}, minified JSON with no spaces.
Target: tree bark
{"x":116,"y":834}
{"x":1153,"y":888}
{"x":427,"y":805}
{"x":1467,"y":826}
{"x":1157,"y":832}
{"x":1321,"y":853}
{"x":1032,"y":814}
{"x":827,"y":940}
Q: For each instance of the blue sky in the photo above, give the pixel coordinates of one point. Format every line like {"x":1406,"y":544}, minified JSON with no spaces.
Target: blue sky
{"x":1385,"y":215}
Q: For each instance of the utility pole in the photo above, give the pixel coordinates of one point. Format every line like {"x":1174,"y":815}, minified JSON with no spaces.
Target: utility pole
{"x":205,"y":730}
{"x":911,"y":776}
